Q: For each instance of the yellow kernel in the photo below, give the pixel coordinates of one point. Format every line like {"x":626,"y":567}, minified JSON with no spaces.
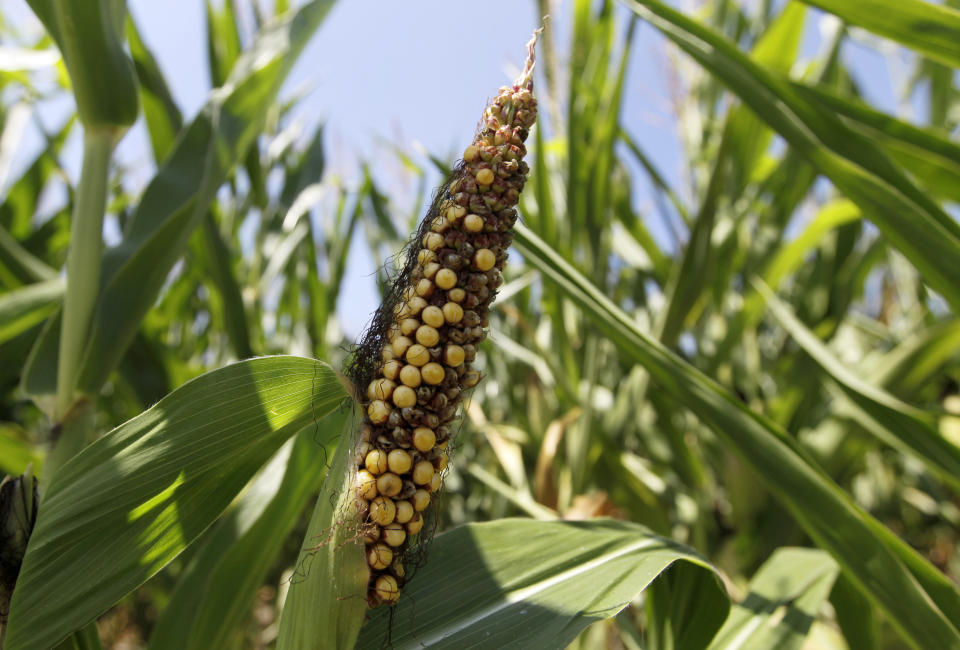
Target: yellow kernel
{"x":440,"y":462}
{"x":433,"y":373}
{"x":423,"y":472}
{"x":452,"y":313}
{"x":400,"y":345}
{"x":433,"y":241}
{"x":473,"y":223}
{"x":407,"y":294}
{"x":470,"y":153}
{"x":425,"y":256}
{"x":382,"y":511}
{"x":399,"y":461}
{"x":470,"y":379}
{"x":392,"y":368}
{"x":424,"y":439}
{"x":440,"y":224}
{"x":404,"y":511}
{"x":408,"y":326}
{"x":484,"y":259}
{"x":485,"y":176}
{"x":376,"y":462}
{"x":379,"y":557}
{"x":415,"y":305}
{"x":389,"y":484}
{"x":404,"y":396}
{"x":393,"y":534}
{"x":371,"y":534}
{"x":366,"y":485}
{"x":378,"y":411}
{"x":446,"y":279}
{"x":425,"y":288}
{"x":380,"y":389}
{"x":410,"y":376}
{"x":427,"y":336}
{"x":417,"y":355}
{"x":421,"y":499}
{"x":436,"y":482}
{"x":387,"y":589}
{"x":387,"y":353}
{"x":454,"y":212}
{"x":456,"y":295}
{"x":430,"y":270}
{"x":453,"y":356}
{"x":414,"y":526}
{"x":432,"y":316}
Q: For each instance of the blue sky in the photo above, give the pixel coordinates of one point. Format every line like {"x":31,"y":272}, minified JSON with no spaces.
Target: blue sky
{"x":417,"y":73}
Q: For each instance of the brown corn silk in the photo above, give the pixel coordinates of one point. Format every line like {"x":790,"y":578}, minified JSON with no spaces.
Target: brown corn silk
{"x":414,"y":362}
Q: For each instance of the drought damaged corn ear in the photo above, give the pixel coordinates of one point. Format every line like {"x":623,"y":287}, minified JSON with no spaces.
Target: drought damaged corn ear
{"x":414,"y":362}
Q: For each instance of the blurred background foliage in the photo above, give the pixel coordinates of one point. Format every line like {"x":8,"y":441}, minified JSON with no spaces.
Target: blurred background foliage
{"x":857,"y":358}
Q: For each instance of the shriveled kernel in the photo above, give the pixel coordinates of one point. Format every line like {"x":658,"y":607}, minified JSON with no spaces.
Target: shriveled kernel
{"x":485,"y":176}
{"x":389,"y":484}
{"x":433,"y":373}
{"x":484,"y":259}
{"x":414,"y":526}
{"x":397,"y":568}
{"x":424,"y":439}
{"x":436,"y":482}
{"x":470,"y":153}
{"x":380,"y":389}
{"x":426,"y":255}
{"x":399,"y":461}
{"x":417,"y":355}
{"x":379,"y":557}
{"x":452,"y":313}
{"x":376,"y":462}
{"x":473,"y":223}
{"x":391,"y":369}
{"x":427,"y":336}
{"x":382,"y":511}
{"x":408,"y":326}
{"x":410,"y":376}
{"x":378,"y":411}
{"x":371,"y":533}
{"x":393,"y":534}
{"x":470,"y":379}
{"x":430,"y":270}
{"x":432,"y":316}
{"x":440,"y":462}
{"x":400,"y":345}
{"x":421,"y":499}
{"x":363,"y":448}
{"x":404,"y":396}
{"x":433,"y":241}
{"x":456,"y":295}
{"x":453,"y":356}
{"x":423,"y":472}
{"x":404,"y":511}
{"x":425,"y":288}
{"x":366,"y":485}
{"x":387,"y":589}
{"x":445,"y":279}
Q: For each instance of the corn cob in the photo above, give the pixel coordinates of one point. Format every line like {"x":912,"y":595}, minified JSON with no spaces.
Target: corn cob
{"x":425,"y":335}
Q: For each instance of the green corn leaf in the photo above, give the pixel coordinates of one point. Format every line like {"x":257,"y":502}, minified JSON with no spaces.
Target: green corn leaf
{"x":160,"y":111}
{"x":521,"y":583}
{"x":223,"y":41}
{"x":90,"y":37}
{"x":931,"y":29}
{"x":784,"y":599}
{"x":327,"y":599}
{"x":919,"y":600}
{"x":896,"y":423}
{"x":213,"y":596}
{"x":132,"y":501}
{"x":27,"y":306}
{"x":175,"y":202}
{"x":16,"y":452}
{"x":908,"y":218}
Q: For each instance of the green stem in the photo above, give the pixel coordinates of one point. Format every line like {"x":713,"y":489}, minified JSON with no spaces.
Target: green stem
{"x":83,"y":262}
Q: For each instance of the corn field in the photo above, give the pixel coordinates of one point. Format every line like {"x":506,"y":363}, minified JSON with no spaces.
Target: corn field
{"x":603,"y":403}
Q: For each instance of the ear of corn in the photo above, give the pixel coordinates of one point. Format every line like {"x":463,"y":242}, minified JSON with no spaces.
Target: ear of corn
{"x":415,"y":360}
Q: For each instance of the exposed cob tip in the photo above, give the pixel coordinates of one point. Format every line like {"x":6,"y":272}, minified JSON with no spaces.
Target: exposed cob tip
{"x":415,"y":360}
